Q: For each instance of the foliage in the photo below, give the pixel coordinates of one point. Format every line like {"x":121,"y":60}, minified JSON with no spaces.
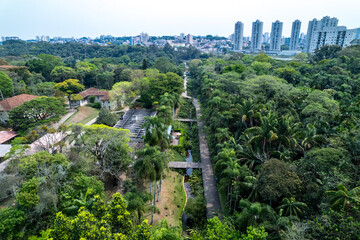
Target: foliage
{"x":38,"y":111}
{"x":11,"y":222}
{"x":6,"y":85}
{"x":109,"y":146}
{"x":106,"y":117}
{"x":70,"y":86}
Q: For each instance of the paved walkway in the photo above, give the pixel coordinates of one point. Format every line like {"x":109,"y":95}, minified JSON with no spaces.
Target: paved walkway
{"x":185,"y":120}
{"x":213,"y":206}
{"x":185,"y":164}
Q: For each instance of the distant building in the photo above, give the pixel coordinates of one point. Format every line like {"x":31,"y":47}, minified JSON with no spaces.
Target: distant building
{"x":42,"y":38}
{"x":189,"y":39}
{"x":182,"y":35}
{"x":266,"y":38}
{"x":275,"y":36}
{"x":302,"y":39}
{"x":9,"y":38}
{"x":238,"y":36}
{"x":295,"y":34}
{"x":10,"y":103}
{"x":100,"y":96}
{"x":332,"y":36}
{"x":144,"y":37}
{"x":314,"y":27}
{"x":256,"y":35}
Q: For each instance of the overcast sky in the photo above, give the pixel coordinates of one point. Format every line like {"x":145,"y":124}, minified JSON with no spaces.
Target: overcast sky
{"x":91,"y":18}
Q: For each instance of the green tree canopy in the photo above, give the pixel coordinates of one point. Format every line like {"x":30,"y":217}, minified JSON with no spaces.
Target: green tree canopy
{"x":36,"y":112}
{"x":6,"y":85}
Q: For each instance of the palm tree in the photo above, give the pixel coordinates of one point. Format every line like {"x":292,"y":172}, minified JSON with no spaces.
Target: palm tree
{"x":311,"y":138}
{"x":247,"y":112}
{"x":150,"y":165}
{"x":264,"y":134}
{"x":343,"y":198}
{"x":291,"y":207}
{"x":156,"y":132}
{"x":164,"y":113}
{"x":288,"y":131}
{"x":222,"y":135}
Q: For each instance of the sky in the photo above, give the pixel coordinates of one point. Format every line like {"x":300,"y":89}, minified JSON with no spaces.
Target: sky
{"x":91,"y":18}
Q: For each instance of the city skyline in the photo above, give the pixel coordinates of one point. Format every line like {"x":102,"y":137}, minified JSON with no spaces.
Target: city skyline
{"x":28,"y":19}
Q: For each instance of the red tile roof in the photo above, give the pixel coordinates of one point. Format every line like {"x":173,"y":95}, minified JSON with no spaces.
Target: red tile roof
{"x":106,"y":97}
{"x":6,"y":136}
{"x":93,"y":92}
{"x":10,"y":103}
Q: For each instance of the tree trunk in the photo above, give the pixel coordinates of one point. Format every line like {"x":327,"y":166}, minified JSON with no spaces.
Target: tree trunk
{"x":150,"y":186}
{"x":158,"y":191}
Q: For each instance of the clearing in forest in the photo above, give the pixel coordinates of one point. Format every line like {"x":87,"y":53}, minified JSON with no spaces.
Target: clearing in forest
{"x":83,"y":115}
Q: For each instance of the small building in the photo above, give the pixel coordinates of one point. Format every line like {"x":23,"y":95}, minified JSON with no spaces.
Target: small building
{"x":8,"y":104}
{"x":7,"y":136}
{"x":100,"y":96}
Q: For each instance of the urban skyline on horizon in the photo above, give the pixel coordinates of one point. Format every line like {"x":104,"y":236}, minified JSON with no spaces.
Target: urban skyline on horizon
{"x":92,"y":18}
{"x":303,"y":30}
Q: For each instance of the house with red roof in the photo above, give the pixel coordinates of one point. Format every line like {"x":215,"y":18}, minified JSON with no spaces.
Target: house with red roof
{"x":8,"y":104}
{"x":100,"y":96}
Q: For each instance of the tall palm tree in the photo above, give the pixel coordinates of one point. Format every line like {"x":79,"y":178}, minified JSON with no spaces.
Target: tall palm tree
{"x":343,"y":198}
{"x":150,"y":165}
{"x":291,"y":207}
{"x":265,"y":134}
{"x":288,"y":132}
{"x":156,"y":132}
{"x":247,"y":110}
{"x":311,"y":138}
{"x":164,"y":113}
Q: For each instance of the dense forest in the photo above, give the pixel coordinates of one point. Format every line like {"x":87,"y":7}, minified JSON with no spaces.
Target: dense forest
{"x":283,"y":137}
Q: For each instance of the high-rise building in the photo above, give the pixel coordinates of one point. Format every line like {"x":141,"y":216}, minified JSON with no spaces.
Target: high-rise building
{"x":9,"y":38}
{"x":189,"y":39}
{"x":295,"y":34}
{"x":332,"y":36}
{"x":256,"y":35}
{"x":144,"y":37}
{"x":266,"y":38}
{"x":182,"y":35}
{"x":315,"y":26}
{"x":238,"y":35}
{"x":275,"y":36}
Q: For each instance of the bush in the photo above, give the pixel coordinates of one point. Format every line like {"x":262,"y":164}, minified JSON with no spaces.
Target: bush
{"x":92,"y":99}
{"x":96,"y":105}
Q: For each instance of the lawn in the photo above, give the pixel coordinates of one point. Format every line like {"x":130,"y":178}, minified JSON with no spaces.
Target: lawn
{"x":83,"y":115}
{"x":172,"y":200}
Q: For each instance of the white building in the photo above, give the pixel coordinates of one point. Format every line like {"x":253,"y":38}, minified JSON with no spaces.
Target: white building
{"x":275,"y":36}
{"x":256,"y":35}
{"x":295,"y":34}
{"x":189,"y":39}
{"x":144,"y":37}
{"x":315,"y":26}
{"x":266,"y":38}
{"x":238,"y":35}
{"x":332,"y":36}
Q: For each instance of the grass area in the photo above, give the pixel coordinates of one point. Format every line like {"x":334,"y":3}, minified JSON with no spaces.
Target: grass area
{"x":172,"y":199}
{"x":83,"y":115}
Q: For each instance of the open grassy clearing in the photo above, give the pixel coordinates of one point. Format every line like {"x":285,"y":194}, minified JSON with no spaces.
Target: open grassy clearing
{"x":172,"y":200}
{"x":83,"y":115}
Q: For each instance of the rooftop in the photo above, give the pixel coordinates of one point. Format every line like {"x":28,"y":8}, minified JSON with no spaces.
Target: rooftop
{"x":93,"y":92}
{"x":6,"y":136}
{"x":10,"y":103}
